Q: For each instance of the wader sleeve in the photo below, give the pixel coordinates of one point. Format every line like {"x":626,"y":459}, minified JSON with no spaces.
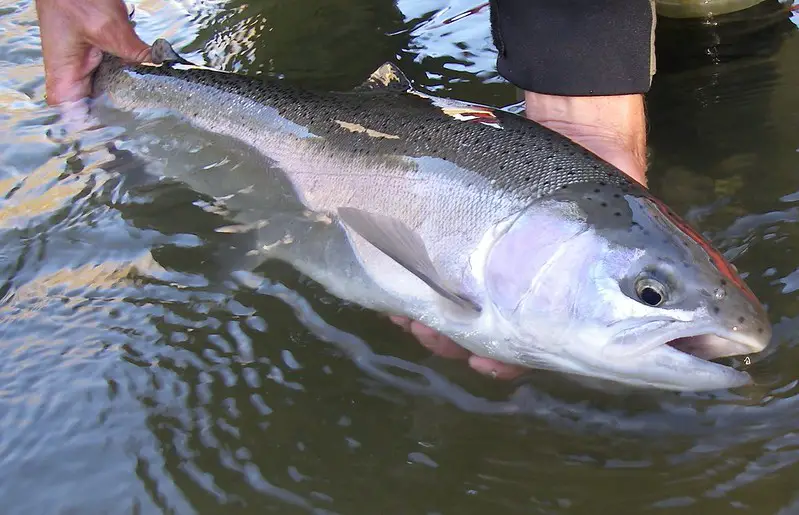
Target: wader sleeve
{"x":575,"y":47}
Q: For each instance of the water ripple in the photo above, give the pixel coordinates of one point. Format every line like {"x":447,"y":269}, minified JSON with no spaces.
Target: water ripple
{"x":144,"y":369}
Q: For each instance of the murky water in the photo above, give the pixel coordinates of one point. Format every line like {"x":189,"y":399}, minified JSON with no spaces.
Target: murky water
{"x":141,"y":371}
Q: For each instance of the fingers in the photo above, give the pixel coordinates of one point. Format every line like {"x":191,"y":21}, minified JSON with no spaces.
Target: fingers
{"x":127,"y":46}
{"x":434,"y":341}
{"x":443,"y":346}
{"x":496,"y":369}
{"x":64,"y":54}
{"x":107,"y":26}
{"x":74,"y":34}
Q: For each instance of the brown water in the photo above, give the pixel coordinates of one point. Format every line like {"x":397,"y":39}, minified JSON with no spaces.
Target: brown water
{"x":137,"y":376}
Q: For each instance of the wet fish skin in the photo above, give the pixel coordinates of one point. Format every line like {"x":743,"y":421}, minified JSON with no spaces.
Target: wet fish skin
{"x":548,"y":240}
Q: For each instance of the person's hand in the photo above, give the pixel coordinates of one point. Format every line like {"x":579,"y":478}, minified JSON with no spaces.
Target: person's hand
{"x":74,"y":35}
{"x":614,"y":128}
{"x":442,"y":345}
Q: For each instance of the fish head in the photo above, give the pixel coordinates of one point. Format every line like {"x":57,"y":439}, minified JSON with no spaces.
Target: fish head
{"x":608,"y":282}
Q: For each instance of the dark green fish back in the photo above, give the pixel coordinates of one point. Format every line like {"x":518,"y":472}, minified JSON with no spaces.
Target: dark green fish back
{"x":519,"y":157}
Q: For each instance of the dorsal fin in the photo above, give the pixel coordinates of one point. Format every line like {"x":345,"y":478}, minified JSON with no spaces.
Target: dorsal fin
{"x":163,"y":53}
{"x":386,"y":78}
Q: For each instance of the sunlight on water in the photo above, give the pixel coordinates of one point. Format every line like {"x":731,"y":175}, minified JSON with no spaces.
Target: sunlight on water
{"x":144,"y":369}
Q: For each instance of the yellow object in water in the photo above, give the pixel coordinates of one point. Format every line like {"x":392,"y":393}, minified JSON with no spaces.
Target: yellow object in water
{"x":701,"y":8}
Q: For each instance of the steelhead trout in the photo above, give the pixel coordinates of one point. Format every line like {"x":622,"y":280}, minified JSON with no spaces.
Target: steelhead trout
{"x":505,"y":236}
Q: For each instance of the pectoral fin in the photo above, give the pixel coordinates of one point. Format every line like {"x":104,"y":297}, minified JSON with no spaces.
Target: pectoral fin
{"x":405,"y":247}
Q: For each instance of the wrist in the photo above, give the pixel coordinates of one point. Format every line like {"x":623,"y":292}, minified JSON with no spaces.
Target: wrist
{"x":613,"y":127}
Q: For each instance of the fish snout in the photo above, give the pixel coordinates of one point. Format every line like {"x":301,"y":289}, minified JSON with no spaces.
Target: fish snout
{"x":742,"y":319}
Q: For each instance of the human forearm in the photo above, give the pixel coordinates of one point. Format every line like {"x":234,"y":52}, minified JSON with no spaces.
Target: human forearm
{"x":584,"y":67}
{"x":613,"y":127}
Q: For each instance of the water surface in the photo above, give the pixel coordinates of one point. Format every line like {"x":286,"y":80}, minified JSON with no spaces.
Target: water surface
{"x":142,"y":370}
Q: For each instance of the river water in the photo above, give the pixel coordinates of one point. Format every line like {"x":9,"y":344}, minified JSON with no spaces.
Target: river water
{"x":141,"y":372}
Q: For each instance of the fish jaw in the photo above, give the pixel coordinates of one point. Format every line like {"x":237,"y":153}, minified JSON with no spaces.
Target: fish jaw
{"x":667,"y":355}
{"x":681,"y":365}
{"x":669,"y":368}
{"x":713,"y":346}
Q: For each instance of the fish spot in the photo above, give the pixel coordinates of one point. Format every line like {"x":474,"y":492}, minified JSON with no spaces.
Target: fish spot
{"x":596,"y":190}
{"x":716,"y":309}
{"x":604,"y":204}
{"x":616,"y":195}
{"x":724,"y":282}
{"x":602,"y":183}
{"x":741,"y":320}
{"x":760,"y":330}
{"x":617,"y":213}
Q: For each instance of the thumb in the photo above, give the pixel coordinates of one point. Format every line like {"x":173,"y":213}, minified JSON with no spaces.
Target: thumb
{"x":122,"y":41}
{"x":129,"y":46}
{"x":110,"y":30}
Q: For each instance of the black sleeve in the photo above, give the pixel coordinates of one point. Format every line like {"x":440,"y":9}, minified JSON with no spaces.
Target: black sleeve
{"x":575,"y":47}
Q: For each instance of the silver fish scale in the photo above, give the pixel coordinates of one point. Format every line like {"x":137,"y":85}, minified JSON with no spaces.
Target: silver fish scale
{"x":519,"y":158}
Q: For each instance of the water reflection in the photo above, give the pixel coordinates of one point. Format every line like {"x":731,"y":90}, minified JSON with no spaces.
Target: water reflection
{"x":142,"y":369}
{"x":335,"y":43}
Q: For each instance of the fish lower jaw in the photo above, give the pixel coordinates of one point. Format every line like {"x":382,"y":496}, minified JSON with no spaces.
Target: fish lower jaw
{"x":702,"y":374}
{"x":695,"y":354}
{"x":680,"y":361}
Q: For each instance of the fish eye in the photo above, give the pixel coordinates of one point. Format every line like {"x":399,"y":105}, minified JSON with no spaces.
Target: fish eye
{"x":651,"y":292}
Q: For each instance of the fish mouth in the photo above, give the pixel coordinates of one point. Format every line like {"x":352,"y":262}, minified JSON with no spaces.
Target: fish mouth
{"x":684,"y":360}
{"x":696,"y":354}
{"x":712,"y":346}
